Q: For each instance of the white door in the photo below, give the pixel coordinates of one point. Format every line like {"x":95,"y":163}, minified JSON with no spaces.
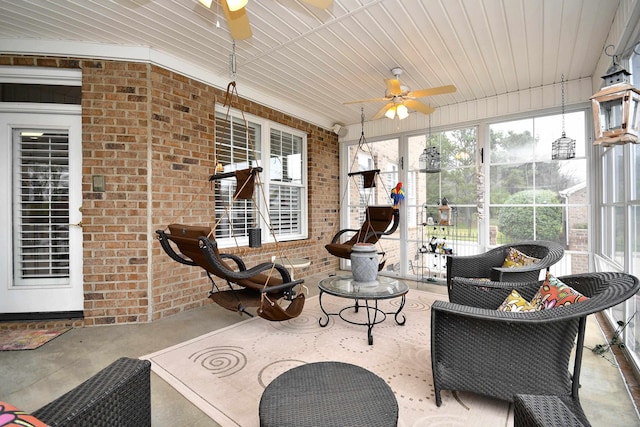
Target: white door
{"x":40,"y":210}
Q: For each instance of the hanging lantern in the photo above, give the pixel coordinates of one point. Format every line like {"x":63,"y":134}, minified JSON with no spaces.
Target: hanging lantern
{"x":563,"y":148}
{"x":429,"y":160}
{"x":444,"y":212}
{"x":615,"y":108}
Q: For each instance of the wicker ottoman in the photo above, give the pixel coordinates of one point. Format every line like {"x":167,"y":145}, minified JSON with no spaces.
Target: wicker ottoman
{"x":328,"y":394}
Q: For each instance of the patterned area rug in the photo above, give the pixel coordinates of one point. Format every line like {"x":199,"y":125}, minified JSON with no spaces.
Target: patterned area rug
{"x":225,"y":372}
{"x":28,"y":339}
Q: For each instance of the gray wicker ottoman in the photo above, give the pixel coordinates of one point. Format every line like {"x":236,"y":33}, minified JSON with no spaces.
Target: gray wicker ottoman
{"x":328,"y":394}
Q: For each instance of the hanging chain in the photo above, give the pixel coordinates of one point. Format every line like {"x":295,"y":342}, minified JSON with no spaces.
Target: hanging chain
{"x":232,"y":62}
{"x":562,"y":92}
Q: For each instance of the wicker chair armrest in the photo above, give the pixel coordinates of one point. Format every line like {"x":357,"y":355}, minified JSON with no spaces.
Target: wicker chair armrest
{"x":604,"y":290}
{"x":338,"y":235}
{"x":474,"y":266}
{"x":236,"y":259}
{"x":164,"y":242}
{"x":118,"y":395}
{"x":507,"y":317}
{"x":487,"y":294}
{"x":208,"y":246}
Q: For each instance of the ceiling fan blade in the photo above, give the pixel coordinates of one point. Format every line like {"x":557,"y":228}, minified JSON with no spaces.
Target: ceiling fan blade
{"x":433,"y":91}
{"x":393,"y":86}
{"x":383,"y":110}
{"x":238,"y":22}
{"x":418,"y":106}
{"x":321,"y":4}
{"x":366,"y":100}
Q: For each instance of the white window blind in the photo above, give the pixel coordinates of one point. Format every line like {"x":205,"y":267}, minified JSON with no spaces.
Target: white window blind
{"x":41,"y":207}
{"x":285,"y":190}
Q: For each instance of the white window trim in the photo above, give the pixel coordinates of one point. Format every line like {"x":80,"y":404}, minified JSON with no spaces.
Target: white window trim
{"x":266,"y":127}
{"x":41,"y":75}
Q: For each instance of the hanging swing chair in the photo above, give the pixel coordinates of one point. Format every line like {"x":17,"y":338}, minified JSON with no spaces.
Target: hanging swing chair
{"x":247,"y":287}
{"x":380,"y":220}
{"x":267,"y":286}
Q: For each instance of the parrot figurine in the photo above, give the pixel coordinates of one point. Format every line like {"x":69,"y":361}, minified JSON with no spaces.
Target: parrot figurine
{"x":397,"y":194}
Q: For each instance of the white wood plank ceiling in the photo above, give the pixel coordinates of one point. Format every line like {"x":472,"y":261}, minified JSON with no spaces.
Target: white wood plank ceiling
{"x":307,"y":61}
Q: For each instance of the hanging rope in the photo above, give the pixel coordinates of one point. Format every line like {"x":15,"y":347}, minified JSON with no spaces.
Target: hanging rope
{"x":264,"y":214}
{"x":368,"y":177}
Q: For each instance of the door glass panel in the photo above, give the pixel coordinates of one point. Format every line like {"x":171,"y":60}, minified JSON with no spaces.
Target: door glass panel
{"x":41,"y":207}
{"x":430,"y":243}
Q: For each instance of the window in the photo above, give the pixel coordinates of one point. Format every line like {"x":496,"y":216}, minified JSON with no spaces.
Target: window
{"x":285,"y":193}
{"x":281,"y":152}
{"x":532,"y":196}
{"x":620,"y":219}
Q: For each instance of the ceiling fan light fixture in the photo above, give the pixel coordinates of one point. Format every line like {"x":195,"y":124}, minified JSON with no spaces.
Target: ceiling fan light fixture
{"x":235,"y":5}
{"x":206,"y":3}
{"x":391,"y":113}
{"x":402,"y":112}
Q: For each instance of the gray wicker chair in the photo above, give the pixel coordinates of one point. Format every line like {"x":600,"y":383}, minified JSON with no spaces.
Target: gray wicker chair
{"x":478,"y":349}
{"x":119,"y":395}
{"x":488,"y":265}
{"x":542,"y":411}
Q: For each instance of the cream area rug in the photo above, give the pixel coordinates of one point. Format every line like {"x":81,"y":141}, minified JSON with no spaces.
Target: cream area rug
{"x":225,"y":372}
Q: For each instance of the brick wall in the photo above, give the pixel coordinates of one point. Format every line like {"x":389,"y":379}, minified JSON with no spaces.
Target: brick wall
{"x":149,"y":132}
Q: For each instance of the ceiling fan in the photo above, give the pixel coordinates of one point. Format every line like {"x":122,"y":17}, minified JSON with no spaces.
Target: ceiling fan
{"x":237,"y":19}
{"x":400,"y":98}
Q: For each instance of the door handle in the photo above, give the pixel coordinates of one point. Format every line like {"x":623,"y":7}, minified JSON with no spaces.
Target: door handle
{"x":77,"y":225}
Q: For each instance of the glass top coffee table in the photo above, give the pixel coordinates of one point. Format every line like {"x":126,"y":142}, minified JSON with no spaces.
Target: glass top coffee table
{"x":368,"y":293}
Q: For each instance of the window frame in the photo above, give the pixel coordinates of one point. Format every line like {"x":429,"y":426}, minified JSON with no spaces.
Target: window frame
{"x":618,"y":212}
{"x":540,"y":156}
{"x":263,"y":216}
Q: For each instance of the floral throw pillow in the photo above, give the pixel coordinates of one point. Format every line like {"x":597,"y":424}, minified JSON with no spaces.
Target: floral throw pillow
{"x":10,"y":416}
{"x":515,"y":258}
{"x":554,"y":293}
{"x":516,"y":303}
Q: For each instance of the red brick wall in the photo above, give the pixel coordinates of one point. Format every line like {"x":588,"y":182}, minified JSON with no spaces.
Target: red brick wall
{"x":149,"y":132}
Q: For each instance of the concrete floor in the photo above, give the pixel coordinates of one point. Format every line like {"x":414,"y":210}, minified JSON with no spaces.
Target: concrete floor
{"x":32,"y":378}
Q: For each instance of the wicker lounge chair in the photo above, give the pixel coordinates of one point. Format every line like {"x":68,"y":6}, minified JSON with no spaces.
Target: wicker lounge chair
{"x":500,"y":354}
{"x":488,"y":265}
{"x":119,"y":395}
{"x":259,"y":286}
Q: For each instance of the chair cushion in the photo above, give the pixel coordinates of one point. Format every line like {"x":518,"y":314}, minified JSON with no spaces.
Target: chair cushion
{"x":516,"y":303}
{"x":12,"y":416}
{"x":515,"y":258}
{"x":554,"y":293}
